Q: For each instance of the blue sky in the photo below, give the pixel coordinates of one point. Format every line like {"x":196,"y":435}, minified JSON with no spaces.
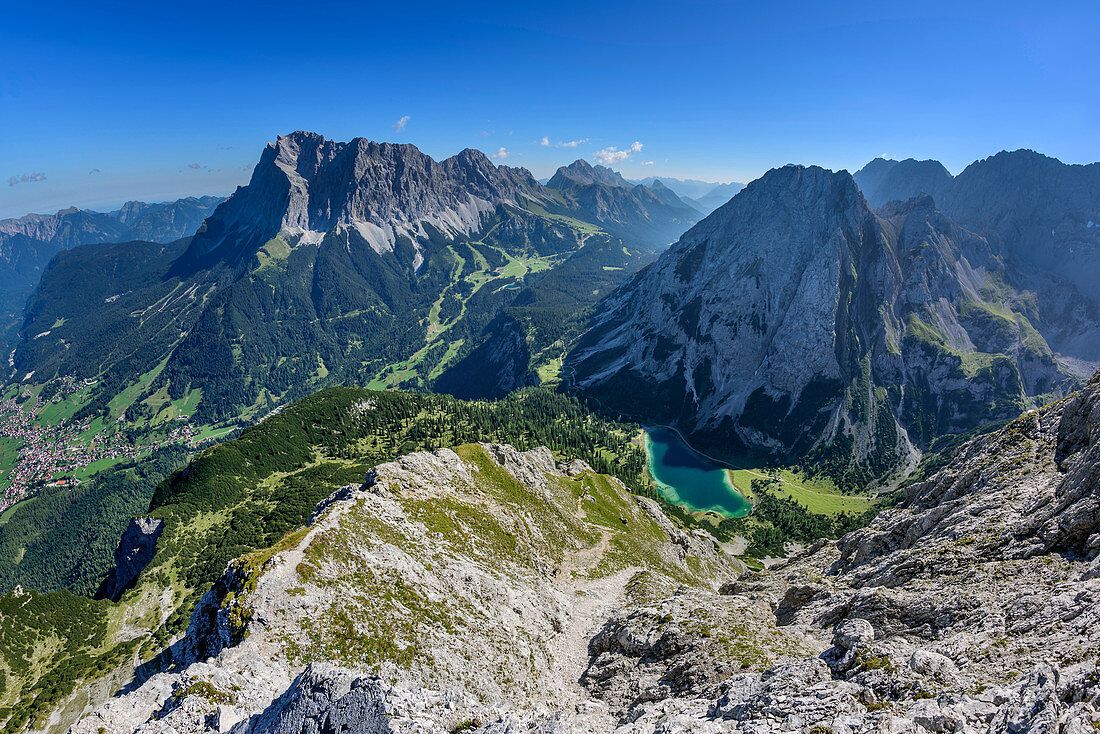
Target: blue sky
{"x":110,"y":101}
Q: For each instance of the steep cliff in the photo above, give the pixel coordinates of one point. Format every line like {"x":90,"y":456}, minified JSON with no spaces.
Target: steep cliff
{"x":797,"y":321}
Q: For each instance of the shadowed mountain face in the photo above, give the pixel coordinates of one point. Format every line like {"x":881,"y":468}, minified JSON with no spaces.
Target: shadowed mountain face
{"x":795,"y":320}
{"x":883,"y":181}
{"x":1037,"y":210}
{"x":354,"y":263}
{"x":1041,"y":215}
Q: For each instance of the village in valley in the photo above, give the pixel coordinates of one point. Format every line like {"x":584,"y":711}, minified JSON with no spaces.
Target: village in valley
{"x":41,"y":444}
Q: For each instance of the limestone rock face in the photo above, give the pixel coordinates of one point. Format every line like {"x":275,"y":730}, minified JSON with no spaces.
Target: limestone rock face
{"x":135,"y":550}
{"x":794,"y":318}
{"x":308,"y":186}
{"x":324,"y":698}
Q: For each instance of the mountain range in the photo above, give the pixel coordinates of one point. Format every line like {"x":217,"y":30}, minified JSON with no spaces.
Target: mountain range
{"x":28,"y":243}
{"x":705,"y":196}
{"x":799,"y":322}
{"x":361,"y":263}
{"x":895,"y":365}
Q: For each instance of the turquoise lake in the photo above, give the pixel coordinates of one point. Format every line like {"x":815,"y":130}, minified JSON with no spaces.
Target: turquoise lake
{"x":685,"y":478}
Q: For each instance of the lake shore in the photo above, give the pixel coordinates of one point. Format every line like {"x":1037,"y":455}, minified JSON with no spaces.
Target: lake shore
{"x":689,"y":478}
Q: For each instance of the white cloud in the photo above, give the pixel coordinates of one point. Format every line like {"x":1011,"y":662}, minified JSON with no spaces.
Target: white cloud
{"x":402,"y":122}
{"x":545,"y":142}
{"x":502,"y":152}
{"x":26,"y":178}
{"x":646,"y":163}
{"x":611,"y":154}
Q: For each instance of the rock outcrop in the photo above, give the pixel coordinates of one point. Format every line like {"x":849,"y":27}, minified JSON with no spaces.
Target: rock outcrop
{"x":135,"y":550}
{"x":489,"y":590}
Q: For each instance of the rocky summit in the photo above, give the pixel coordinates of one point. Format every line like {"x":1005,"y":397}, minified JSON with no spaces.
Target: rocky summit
{"x":306,"y":186}
{"x":883,"y":180}
{"x":490,"y":590}
{"x":796,"y":320}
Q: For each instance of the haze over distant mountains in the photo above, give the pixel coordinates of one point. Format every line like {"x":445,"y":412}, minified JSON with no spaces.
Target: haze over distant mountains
{"x":28,"y":243}
{"x":705,"y":196}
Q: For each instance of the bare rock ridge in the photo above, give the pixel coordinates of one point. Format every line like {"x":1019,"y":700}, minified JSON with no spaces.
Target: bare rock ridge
{"x":795,"y":319}
{"x":451,"y":587}
{"x":972,"y":607}
{"x":308,"y":186}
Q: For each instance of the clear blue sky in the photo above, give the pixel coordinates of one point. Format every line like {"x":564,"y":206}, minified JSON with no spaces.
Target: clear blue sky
{"x":167,"y":99}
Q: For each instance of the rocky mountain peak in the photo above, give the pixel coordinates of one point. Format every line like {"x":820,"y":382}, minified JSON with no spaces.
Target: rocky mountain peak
{"x":776,"y":315}
{"x":883,"y":181}
{"x":307,"y":186}
{"x":581,"y":173}
{"x":799,"y":195}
